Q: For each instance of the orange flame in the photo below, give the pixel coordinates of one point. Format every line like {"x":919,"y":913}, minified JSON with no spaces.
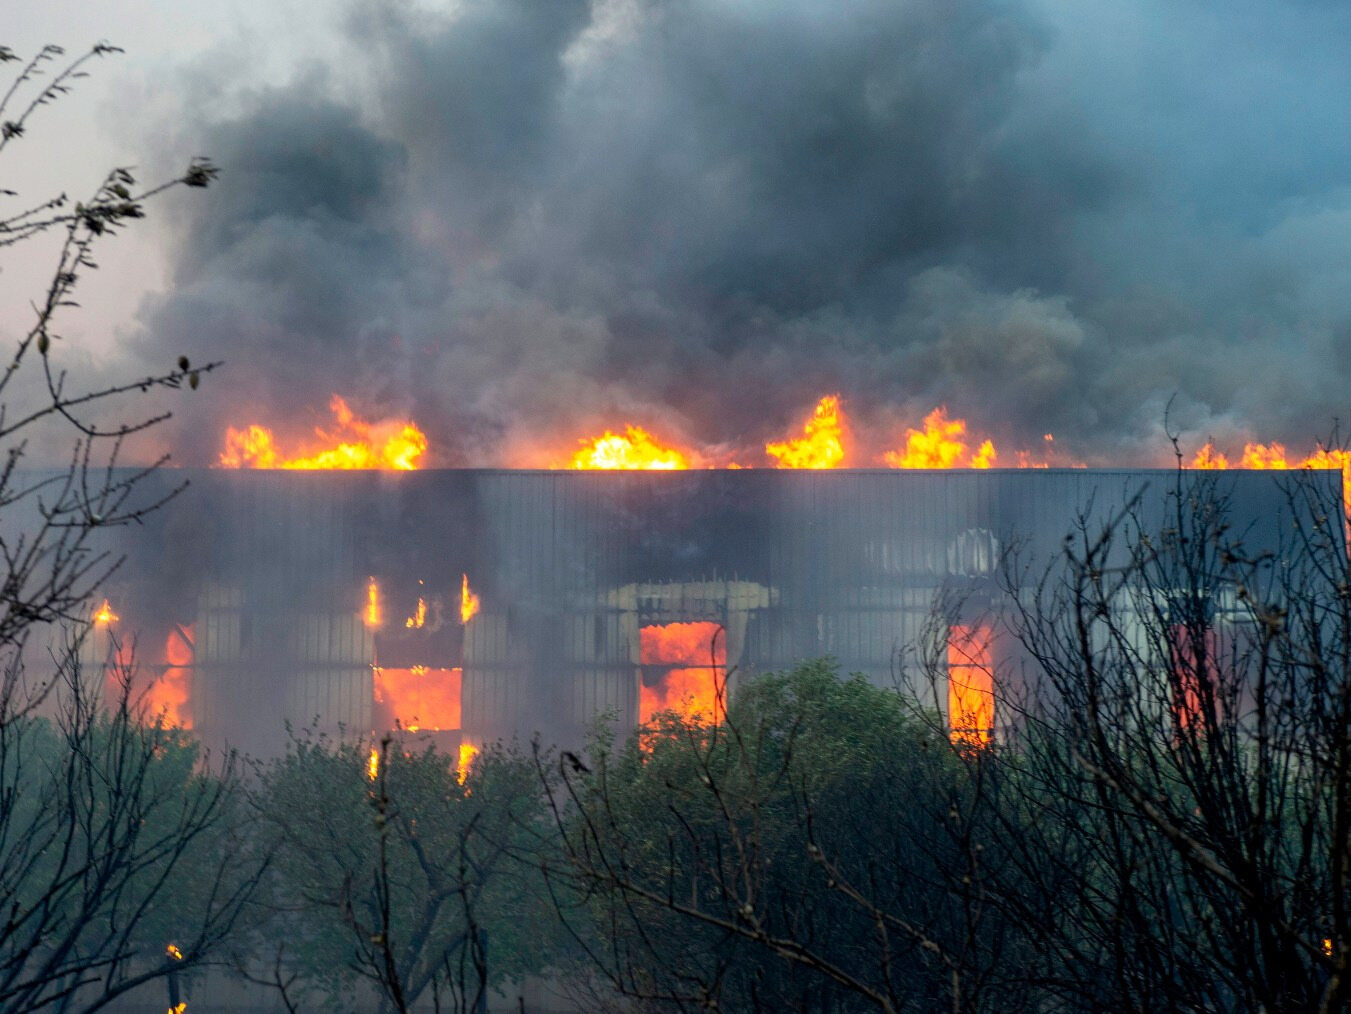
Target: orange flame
{"x":468,"y":751}
{"x":635,"y":450}
{"x":1208,"y":457}
{"x":419,"y":617}
{"x":373,"y":615}
{"x":970,"y":685}
{"x":1194,"y":666}
{"x":388,"y":444}
{"x":172,"y":951}
{"x":420,"y":698}
{"x":1273,"y":456}
{"x":822,"y":442}
{"x":171,"y":694}
{"x":118,"y":654}
{"x":1259,"y":456}
{"x":373,"y":765}
{"x":468,"y":601}
{"x":941,"y":444}
{"x":1333,"y":458}
{"x":697,"y":654}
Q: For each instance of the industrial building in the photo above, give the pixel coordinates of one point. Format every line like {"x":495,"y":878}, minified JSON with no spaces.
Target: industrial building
{"x":479,"y":604}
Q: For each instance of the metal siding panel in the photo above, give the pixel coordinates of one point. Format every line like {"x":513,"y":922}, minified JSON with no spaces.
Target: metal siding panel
{"x":853,"y":556}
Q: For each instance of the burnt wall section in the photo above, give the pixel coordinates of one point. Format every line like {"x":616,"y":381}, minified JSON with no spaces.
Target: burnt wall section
{"x":271,"y":568}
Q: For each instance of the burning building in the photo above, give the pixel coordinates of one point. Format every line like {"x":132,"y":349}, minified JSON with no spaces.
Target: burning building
{"x":477,"y":604}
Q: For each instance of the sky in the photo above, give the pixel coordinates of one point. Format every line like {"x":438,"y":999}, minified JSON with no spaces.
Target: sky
{"x":518,"y":221}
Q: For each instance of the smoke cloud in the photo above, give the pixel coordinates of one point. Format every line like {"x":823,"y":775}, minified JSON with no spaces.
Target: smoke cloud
{"x":518,"y":221}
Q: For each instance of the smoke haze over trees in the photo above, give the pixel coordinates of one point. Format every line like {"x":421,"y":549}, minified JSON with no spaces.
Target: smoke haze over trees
{"x":1159,"y":823}
{"x":503,"y":217}
{"x":517,"y":211}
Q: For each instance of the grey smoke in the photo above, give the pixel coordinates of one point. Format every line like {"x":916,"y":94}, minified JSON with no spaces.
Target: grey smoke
{"x":540,"y":216}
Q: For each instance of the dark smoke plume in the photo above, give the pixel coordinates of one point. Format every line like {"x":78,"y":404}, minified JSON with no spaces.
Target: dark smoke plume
{"x":538,"y":218}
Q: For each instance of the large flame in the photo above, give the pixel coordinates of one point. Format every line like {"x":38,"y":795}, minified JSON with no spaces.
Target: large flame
{"x":355,"y":443}
{"x":697,"y":655}
{"x":822,"y":442}
{"x":970,"y":685}
{"x":373,"y":615}
{"x":468,"y":601}
{"x":468,"y":751}
{"x":170,"y":696}
{"x":420,"y":698}
{"x":636,"y":449}
{"x":1208,"y":457}
{"x":944,"y":443}
{"x":940,"y":444}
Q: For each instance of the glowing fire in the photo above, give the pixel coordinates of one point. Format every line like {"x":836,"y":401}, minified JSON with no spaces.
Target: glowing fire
{"x":1026,"y":460}
{"x":468,"y":601}
{"x":1209,"y":457}
{"x":373,"y":615}
{"x":822,"y":442}
{"x":1197,"y":676}
{"x":373,"y":764}
{"x":355,"y":443}
{"x":419,"y":618}
{"x":468,"y":751}
{"x":420,"y":698}
{"x":1273,"y":456}
{"x":941,"y":444}
{"x":171,"y":695}
{"x":168,"y":696}
{"x":118,"y":654}
{"x":635,"y":450}
{"x":172,"y":951}
{"x":697,"y":654}
{"x":970,"y":685}
{"x":944,"y":443}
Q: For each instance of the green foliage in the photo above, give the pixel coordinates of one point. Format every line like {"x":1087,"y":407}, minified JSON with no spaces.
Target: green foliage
{"x":1182,"y":768}
{"x":115,"y":840}
{"x":748,"y":862}
{"x":392,"y":877}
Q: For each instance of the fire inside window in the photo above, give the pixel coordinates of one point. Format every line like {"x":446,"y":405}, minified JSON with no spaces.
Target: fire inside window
{"x":1196,"y":681}
{"x":162,"y":684}
{"x":417,"y":678}
{"x":171,"y":694}
{"x":970,"y":684}
{"x":1193,"y":646}
{"x":419,"y":698}
{"x":684,"y":670}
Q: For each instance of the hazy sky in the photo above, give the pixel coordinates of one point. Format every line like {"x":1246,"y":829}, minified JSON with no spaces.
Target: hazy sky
{"x":515,"y":219}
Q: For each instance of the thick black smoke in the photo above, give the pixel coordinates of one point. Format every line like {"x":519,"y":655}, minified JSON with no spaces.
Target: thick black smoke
{"x":700,"y":215}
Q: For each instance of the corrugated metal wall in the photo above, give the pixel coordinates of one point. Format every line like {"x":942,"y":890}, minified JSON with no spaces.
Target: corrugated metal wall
{"x":272,"y":568}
